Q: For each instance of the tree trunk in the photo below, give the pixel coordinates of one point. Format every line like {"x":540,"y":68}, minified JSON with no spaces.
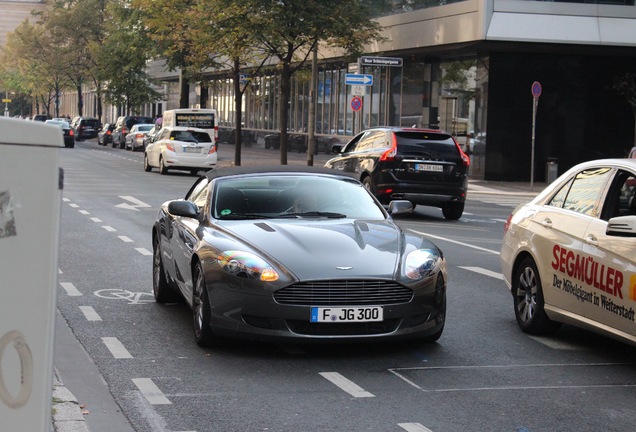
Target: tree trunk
{"x":283,"y":111}
{"x":238,"y":113}
{"x":80,"y":101}
{"x":184,"y":90}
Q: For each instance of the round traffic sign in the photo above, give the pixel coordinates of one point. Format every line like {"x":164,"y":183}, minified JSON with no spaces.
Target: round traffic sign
{"x":536,"y":89}
{"x":356,"y":103}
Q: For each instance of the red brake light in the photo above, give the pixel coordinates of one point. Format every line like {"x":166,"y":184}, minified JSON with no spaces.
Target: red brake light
{"x":464,"y":156}
{"x":389,"y":155}
{"x":70,"y":132}
{"x":108,"y":132}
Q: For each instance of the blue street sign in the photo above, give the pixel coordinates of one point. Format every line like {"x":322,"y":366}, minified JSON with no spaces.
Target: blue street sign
{"x":536,"y":89}
{"x":359,"y":79}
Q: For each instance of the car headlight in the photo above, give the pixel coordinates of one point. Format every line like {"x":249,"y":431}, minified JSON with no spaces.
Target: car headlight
{"x":247,"y":265}
{"x":420,"y":263}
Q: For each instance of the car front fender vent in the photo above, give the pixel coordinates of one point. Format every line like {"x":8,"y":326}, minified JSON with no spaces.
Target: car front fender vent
{"x":344,"y":293}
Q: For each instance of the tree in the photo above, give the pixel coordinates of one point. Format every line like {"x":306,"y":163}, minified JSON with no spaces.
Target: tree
{"x":290,"y":29}
{"x":168,"y":24}
{"x":32,"y":55}
{"x":218,"y":29}
{"x":122,"y":59}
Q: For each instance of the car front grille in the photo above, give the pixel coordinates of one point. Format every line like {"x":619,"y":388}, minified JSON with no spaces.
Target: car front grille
{"x":344,"y":293}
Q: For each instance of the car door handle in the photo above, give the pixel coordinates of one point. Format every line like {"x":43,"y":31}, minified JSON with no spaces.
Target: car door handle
{"x":547,"y":223}
{"x":591,"y":239}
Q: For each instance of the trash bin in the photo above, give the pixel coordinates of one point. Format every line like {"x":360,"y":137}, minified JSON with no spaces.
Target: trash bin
{"x":551,"y":169}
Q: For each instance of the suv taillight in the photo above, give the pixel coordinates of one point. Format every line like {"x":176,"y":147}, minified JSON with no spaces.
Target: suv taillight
{"x":389,"y":155}
{"x":464,"y":156}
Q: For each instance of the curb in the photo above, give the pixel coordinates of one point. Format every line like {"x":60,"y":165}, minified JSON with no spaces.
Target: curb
{"x":67,"y":413}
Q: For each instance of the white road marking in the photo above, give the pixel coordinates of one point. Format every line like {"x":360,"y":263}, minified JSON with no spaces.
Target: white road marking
{"x":414,"y":427}
{"x":74,"y":205}
{"x":483,"y":271}
{"x":446,"y":239}
{"x":343,"y":383}
{"x":125,"y":239}
{"x":501,"y":220}
{"x":90,"y":313}
{"x":84,"y":212}
{"x":136,"y":203}
{"x":151,"y":392}
{"x":116,"y":348}
{"x":520,"y":387}
{"x":71,"y":291}
{"x":65,"y":199}
{"x":109,"y":228}
{"x":143,"y":251}
{"x":94,"y":219}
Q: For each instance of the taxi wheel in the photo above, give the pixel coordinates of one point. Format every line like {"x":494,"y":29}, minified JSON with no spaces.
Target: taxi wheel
{"x":201,"y":311}
{"x":528,"y":300}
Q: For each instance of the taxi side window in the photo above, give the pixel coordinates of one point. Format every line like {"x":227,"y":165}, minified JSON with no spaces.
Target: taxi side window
{"x":622,"y":199}
{"x":586,"y":192}
{"x":558,"y":199}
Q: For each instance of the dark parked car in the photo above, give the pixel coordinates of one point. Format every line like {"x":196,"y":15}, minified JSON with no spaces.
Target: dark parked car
{"x":105,"y":136}
{"x":85,"y":127}
{"x":69,"y":135}
{"x":123,"y":126}
{"x":425,"y":166}
{"x":296,"y":253}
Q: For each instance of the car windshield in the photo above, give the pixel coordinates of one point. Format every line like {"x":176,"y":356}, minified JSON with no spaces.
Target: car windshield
{"x":191,"y":136}
{"x":293,"y":197}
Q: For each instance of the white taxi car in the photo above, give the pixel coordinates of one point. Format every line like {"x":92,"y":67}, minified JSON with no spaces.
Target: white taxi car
{"x":569,"y":255}
{"x":179,"y":147}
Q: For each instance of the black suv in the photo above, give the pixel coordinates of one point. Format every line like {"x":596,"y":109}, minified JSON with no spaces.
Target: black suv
{"x":85,"y":128}
{"x":122,"y":127}
{"x":424,"y":166}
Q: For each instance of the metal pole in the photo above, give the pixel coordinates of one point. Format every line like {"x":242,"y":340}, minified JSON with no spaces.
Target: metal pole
{"x":534,"y":117}
{"x":312,"y":108}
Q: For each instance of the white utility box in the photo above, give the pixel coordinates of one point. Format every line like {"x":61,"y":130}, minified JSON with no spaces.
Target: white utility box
{"x":31,"y":183}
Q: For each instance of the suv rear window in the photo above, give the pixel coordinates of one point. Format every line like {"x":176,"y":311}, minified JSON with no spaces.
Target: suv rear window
{"x":94,"y":123}
{"x":131,"y":121}
{"x":427,"y":144}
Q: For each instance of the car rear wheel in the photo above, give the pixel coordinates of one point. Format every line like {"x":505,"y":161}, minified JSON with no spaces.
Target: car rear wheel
{"x":528,"y":300}
{"x":453,"y":210}
{"x":367,"y":183}
{"x":147,"y":166}
{"x":161,"y":288}
{"x":201,"y":309}
{"x":163,"y":169}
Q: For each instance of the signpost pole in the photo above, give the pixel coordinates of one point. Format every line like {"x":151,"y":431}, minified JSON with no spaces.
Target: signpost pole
{"x":536,"y":92}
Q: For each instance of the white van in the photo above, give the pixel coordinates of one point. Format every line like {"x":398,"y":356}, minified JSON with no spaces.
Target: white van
{"x":193,"y":117}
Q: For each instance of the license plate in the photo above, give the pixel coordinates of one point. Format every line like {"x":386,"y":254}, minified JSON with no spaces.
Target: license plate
{"x":192,"y":149}
{"x":429,"y":167}
{"x":347,"y":314}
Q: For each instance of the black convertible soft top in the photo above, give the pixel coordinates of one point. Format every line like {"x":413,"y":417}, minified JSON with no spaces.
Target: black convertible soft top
{"x":272,"y":169}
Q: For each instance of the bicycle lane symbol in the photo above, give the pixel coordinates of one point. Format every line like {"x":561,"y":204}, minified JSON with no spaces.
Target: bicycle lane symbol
{"x":122,"y":294}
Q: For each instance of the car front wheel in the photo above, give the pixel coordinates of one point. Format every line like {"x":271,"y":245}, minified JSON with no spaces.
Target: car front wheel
{"x":160,"y":286}
{"x":201,"y":309}
{"x":528,"y":300}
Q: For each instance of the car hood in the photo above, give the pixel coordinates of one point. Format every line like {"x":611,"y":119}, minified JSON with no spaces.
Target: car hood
{"x":326,"y":249}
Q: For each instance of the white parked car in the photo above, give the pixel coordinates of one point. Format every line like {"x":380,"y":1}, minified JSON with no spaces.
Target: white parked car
{"x":569,"y":255}
{"x":135,"y":138}
{"x":179,"y":147}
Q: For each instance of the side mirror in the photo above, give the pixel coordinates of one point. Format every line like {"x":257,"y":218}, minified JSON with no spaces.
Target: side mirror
{"x":398,"y":207}
{"x":183,"y":208}
{"x":621,"y":226}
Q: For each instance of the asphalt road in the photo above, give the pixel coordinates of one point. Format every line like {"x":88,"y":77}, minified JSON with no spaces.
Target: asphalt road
{"x":484,"y":374}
